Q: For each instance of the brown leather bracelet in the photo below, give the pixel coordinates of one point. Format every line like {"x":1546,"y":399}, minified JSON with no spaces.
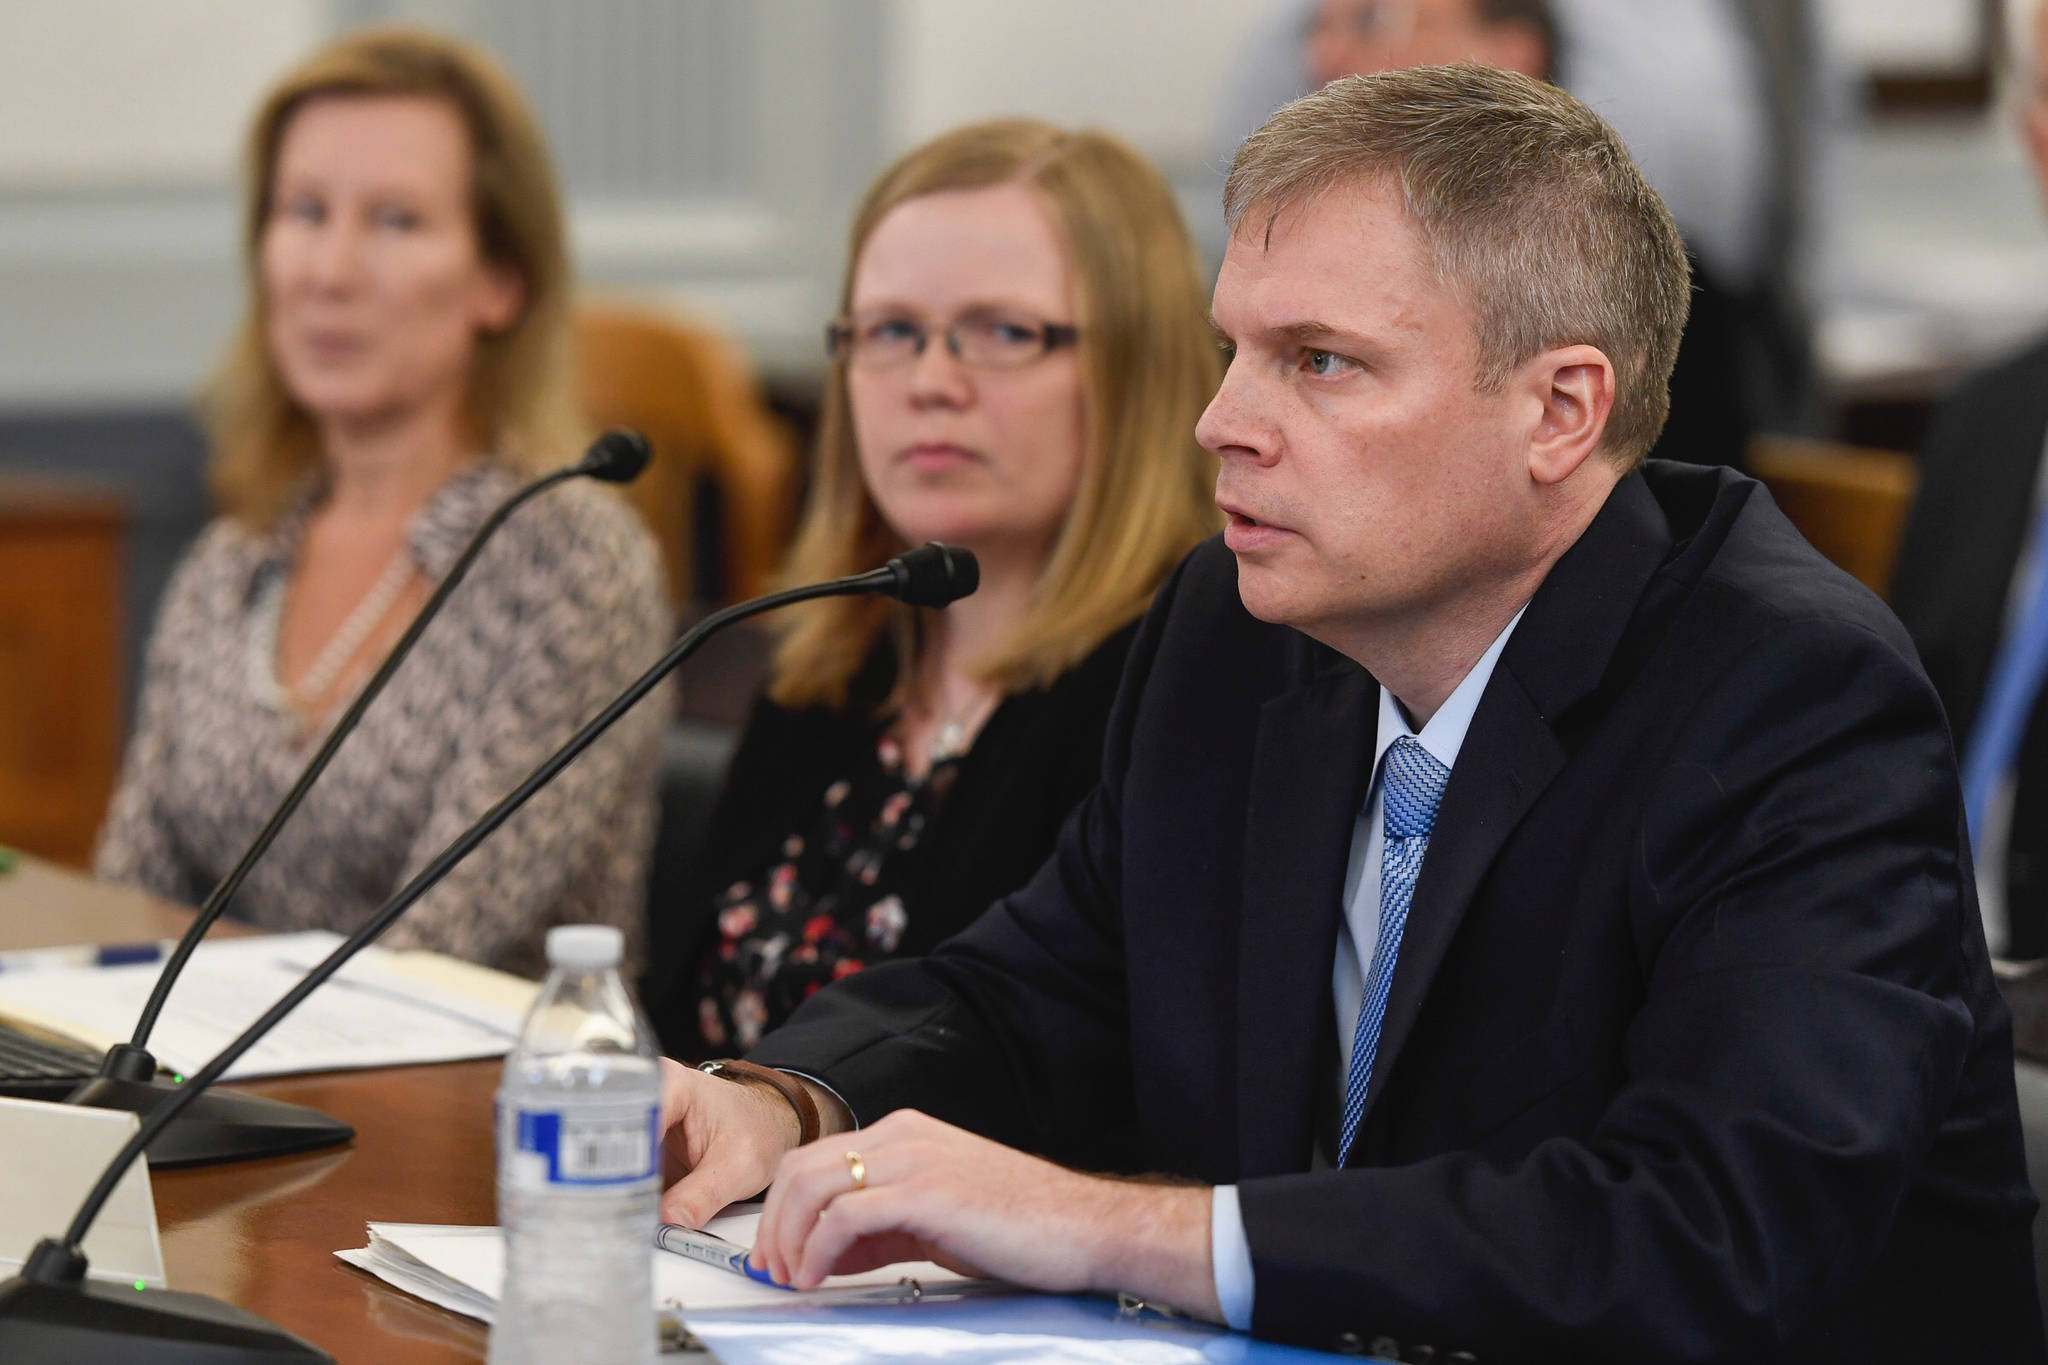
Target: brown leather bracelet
{"x":808,"y":1123}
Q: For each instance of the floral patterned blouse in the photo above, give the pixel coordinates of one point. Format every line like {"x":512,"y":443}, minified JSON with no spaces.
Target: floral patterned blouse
{"x":823,"y":857}
{"x":821,"y":911}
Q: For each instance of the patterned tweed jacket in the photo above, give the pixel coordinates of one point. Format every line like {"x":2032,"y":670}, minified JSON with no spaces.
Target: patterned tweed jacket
{"x":562,"y":609}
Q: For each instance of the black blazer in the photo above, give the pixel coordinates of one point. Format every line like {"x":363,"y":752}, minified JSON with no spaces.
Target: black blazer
{"x":1692,"y":1052}
{"x":1038,"y":754}
{"x":1963,"y":540}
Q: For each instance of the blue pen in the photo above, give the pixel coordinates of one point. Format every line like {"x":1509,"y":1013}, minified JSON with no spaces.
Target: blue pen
{"x":85,"y":955}
{"x":711,"y":1249}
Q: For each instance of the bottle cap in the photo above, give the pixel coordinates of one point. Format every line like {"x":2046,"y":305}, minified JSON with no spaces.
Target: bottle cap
{"x":588,"y":946}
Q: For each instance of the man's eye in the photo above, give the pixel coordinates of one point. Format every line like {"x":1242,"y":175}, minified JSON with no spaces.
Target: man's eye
{"x":397,"y":219}
{"x":1228,"y":347}
{"x":302,"y":209}
{"x":1325,"y":363}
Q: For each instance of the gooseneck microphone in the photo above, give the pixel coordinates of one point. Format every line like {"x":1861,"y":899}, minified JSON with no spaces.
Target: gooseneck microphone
{"x":933,"y":575}
{"x":51,"y":1312}
{"x":233,"y":1127}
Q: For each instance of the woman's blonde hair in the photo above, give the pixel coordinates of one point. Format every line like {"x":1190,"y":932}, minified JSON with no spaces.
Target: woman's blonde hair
{"x":1148,"y":365}
{"x":521,"y":404}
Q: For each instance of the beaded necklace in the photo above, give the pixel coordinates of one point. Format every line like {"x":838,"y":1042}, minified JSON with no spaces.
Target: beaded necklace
{"x":341,"y":646}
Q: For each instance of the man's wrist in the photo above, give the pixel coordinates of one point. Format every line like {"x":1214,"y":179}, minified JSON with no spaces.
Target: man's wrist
{"x":792,"y":1094}
{"x":1151,"y":1239}
{"x":833,"y":1115}
{"x":777,"y":1110}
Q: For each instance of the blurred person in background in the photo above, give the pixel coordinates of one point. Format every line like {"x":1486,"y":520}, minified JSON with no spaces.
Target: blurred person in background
{"x":1020,"y":358}
{"x":401,"y":368}
{"x":1971,"y":585}
{"x":1355,"y":37}
{"x":1708,"y":94}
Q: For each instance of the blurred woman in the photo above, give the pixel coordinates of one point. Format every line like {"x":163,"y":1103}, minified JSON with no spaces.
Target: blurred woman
{"x":1020,"y":359}
{"x":401,"y":368}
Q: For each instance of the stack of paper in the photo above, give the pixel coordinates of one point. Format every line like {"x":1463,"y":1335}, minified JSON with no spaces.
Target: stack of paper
{"x":390,"y":1257}
{"x":410,"y":1257}
{"x":382,"y":1009}
{"x":463,"y":1269}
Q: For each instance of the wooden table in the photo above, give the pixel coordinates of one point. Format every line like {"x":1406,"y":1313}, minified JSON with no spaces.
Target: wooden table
{"x":262,"y":1234}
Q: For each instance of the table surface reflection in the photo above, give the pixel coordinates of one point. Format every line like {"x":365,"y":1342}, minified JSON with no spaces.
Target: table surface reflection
{"x":262,"y":1234}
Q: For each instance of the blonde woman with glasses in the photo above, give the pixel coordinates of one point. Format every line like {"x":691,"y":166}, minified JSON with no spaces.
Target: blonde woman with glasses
{"x":1019,"y":360}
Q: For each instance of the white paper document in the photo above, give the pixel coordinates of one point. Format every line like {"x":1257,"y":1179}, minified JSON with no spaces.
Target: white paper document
{"x":382,"y":1009}
{"x":463,"y":1269}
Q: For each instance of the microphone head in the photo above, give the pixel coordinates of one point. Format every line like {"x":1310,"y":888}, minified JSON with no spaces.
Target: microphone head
{"x":618,"y":456}
{"x":933,"y":575}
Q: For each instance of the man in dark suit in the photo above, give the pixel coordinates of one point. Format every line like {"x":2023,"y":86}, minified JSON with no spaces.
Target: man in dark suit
{"x":1523,"y":913}
{"x":1969,"y":583}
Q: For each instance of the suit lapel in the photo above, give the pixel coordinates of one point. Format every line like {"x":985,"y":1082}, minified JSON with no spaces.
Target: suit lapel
{"x":1484,"y":802}
{"x":1556,"y":657}
{"x":1308,"y":779}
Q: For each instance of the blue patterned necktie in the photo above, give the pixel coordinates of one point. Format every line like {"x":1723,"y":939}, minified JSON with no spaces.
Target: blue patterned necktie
{"x":2009,"y":694}
{"x":1411,"y":786}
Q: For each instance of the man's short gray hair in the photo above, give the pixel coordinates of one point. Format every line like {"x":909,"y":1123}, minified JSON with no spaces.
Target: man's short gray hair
{"x":1527,"y":202}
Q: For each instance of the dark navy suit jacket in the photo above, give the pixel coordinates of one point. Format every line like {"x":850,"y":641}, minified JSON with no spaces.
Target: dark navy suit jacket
{"x":1693,"y":1051}
{"x":1978,"y":482}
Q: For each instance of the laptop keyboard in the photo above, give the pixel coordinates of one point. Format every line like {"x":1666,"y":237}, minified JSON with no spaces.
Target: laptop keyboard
{"x":33,"y":1067}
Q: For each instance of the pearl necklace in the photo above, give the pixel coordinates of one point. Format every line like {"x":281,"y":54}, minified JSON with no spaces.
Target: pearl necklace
{"x":341,"y":646}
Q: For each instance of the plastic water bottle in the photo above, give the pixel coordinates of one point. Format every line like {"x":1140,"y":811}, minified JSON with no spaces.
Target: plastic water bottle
{"x":578,"y":1184}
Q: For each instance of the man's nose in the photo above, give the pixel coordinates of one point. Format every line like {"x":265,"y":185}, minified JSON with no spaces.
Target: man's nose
{"x":1232,"y":423}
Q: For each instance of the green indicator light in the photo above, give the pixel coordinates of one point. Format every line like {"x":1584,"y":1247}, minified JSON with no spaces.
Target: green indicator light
{"x":139,"y":1285}
{"x":176,"y":1079}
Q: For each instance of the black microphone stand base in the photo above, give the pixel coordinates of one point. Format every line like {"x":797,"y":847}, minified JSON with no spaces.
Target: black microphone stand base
{"x":61,"y":1324}
{"x":216,"y":1126}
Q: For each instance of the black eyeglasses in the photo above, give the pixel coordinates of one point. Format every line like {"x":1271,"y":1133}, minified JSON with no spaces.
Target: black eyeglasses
{"x":985,"y":340}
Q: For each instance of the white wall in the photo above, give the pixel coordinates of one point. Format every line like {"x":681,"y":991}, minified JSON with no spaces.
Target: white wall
{"x":1884,"y":35}
{"x":120,"y":122}
{"x":115,"y":93}
{"x":131,"y":92}
{"x":1150,"y":70}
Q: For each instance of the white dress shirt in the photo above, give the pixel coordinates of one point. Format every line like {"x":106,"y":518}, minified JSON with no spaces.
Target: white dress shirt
{"x":1229,"y":1253}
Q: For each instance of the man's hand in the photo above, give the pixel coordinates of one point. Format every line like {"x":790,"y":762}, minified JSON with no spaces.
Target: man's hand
{"x":720,"y":1141}
{"x":931,"y":1191}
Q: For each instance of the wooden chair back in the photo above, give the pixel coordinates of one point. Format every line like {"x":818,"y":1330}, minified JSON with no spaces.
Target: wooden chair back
{"x":694,"y":397}
{"x":1849,"y":501}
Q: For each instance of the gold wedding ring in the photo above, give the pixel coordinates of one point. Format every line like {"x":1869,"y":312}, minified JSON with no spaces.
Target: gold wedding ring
{"x":858,"y":1169}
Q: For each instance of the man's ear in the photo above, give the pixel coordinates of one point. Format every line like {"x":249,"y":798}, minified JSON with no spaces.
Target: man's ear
{"x":1574,"y":389}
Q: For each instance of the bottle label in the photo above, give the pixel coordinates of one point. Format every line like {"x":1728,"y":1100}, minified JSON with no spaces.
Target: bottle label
{"x":608,"y":1146}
